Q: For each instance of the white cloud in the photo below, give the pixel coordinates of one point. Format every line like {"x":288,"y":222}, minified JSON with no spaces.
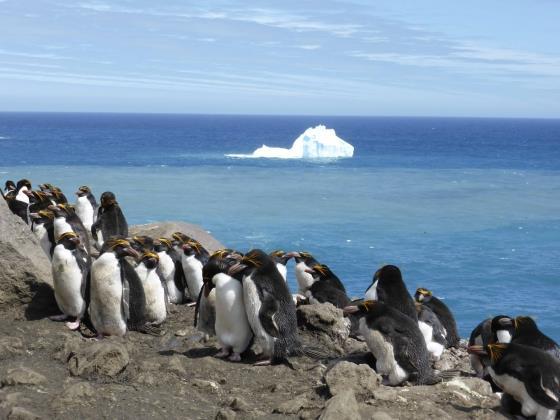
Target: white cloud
{"x":309,"y":47}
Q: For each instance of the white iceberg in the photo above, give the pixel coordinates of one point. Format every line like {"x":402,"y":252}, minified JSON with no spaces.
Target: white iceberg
{"x":315,"y":142}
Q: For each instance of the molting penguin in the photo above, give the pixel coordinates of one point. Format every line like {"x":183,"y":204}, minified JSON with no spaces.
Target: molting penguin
{"x":531,"y":376}
{"x":86,"y":206}
{"x":425,"y":297}
{"x":232,"y":327}
{"x":109,"y":308}
{"x":388,"y":287}
{"x":527,"y":333}
{"x":395,"y":341}
{"x":193,"y":259}
{"x":170,"y":270}
{"x":433,"y":332}
{"x":70,"y":271}
{"x":155,"y":309}
{"x":66,"y":220}
{"x":269,"y":305}
{"x":326,"y":287}
{"x":304,"y":263}
{"x":110,"y":220}
{"x":42,"y":226}
{"x":492,"y":330}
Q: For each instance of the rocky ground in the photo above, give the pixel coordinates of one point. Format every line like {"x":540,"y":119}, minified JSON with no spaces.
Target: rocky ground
{"x":47,"y":371}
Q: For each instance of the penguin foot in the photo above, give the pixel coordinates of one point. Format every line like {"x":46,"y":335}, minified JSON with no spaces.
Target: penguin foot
{"x":222,"y":354}
{"x":235,"y":357}
{"x":58,"y":318}
{"x":267,"y":362}
{"x":73,"y":325}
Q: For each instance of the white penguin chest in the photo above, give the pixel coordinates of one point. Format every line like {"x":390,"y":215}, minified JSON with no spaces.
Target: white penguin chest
{"x":153,"y":293}
{"x":21,"y":196}
{"x":252,"y":304}
{"x":371,"y":292}
{"x":67,"y":281}
{"x":283,"y":270}
{"x":304,"y":279}
{"x":193,"y":274}
{"x":85,"y":212}
{"x":383,"y":351}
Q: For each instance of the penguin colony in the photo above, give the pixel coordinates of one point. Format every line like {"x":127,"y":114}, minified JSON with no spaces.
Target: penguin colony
{"x":114,"y":283}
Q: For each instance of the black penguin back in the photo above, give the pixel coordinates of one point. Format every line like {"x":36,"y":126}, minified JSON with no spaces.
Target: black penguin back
{"x":392,"y":291}
{"x":446,"y":318}
{"x":528,"y":333}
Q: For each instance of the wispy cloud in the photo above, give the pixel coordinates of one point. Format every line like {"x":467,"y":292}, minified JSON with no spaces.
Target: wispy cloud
{"x":47,"y":56}
{"x":309,"y":47}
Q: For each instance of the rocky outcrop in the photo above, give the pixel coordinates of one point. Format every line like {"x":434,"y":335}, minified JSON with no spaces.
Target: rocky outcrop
{"x":25,"y":268}
{"x":324,"y":323}
{"x":165,"y":229}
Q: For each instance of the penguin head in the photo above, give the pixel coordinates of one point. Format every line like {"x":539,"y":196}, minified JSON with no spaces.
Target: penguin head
{"x":120,"y":247}
{"x":423,"y":295}
{"x":83,"y":191}
{"x":192,"y":247}
{"x":57,"y":195}
{"x":319,"y":271}
{"x":62,"y":210}
{"x":142,"y":243}
{"x":42,"y":216}
{"x":162,"y":244}
{"x":23,"y":183}
{"x":108,"y":199}
{"x":10,"y":185}
{"x":524,"y":325}
{"x":70,"y":240}
{"x":302,"y":256}
{"x":253,"y":260}
{"x":502,"y":327}
{"x":219,"y":262}
{"x":46,"y":187}
{"x":494,"y":351}
{"x":38,"y":197}
{"x":279,"y":257}
{"x":180,"y":238}
{"x":364,"y":308}
{"x":150,"y":259}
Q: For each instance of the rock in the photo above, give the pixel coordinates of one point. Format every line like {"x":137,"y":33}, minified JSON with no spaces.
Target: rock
{"x":474,"y":386}
{"x":385,"y":393}
{"x":291,"y":406}
{"x":22,"y":376}
{"x":175,"y":366}
{"x":342,"y":406}
{"x":10,"y":346}
{"x":165,"y":229}
{"x":225,"y":414}
{"x":324,"y":317}
{"x":346,"y":375}
{"x":19,"y":413}
{"x":206,"y":385}
{"x":238,"y":404}
{"x":380,"y":415}
{"x":92,"y":359}
{"x":454,"y":359}
{"x":77,"y":391}
{"x":25,"y":268}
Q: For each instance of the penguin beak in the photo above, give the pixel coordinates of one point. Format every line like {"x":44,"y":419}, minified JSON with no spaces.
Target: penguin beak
{"x":478,"y":350}
{"x":132,"y":252}
{"x":233,"y":256}
{"x":349,"y":310}
{"x":236,"y":268}
{"x":310,"y":271}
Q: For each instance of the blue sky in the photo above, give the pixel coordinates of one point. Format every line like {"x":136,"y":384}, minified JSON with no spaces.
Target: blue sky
{"x":443,"y":58}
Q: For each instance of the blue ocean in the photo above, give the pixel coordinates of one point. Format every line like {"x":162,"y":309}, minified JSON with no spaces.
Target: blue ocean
{"x":469,"y":208}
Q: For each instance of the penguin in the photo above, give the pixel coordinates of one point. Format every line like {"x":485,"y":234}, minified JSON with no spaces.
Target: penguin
{"x":304,"y":261}
{"x":9,"y":186}
{"x":396,"y":343}
{"x":70,"y":271}
{"x":56,"y":195}
{"x":232,"y":327}
{"x":38,"y":200}
{"x":498,"y":329}
{"x":433,"y":332}
{"x":270,"y":309}
{"x":281,"y":259}
{"x":326,"y":287}
{"x":527,"y":333}
{"x":155,"y":309}
{"x":142,"y":243}
{"x":42,"y":226}
{"x":22,"y":187}
{"x":110,"y":220}
{"x":440,"y":309}
{"x":66,"y":220}
{"x":170,"y":270}
{"x":86,"y":206}
{"x":528,"y":374}
{"x":110,"y":308}
{"x":193,"y":259}
{"x":388,"y":287}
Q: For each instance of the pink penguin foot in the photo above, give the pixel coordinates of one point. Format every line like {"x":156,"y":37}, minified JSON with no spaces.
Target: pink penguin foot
{"x":73,"y":325}
{"x":235,"y":357}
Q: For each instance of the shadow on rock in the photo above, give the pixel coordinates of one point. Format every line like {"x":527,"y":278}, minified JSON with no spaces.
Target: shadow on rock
{"x":43,"y":303}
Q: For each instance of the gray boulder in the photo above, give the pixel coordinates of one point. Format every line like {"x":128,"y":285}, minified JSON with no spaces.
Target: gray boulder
{"x":325,"y":323}
{"x":25,"y":269}
{"x":342,"y":406}
{"x":165,"y":229}
{"x":361,"y":379}
{"x":94,"y":359}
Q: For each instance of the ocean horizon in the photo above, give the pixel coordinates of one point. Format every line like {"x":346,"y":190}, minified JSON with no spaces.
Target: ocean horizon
{"x":466,"y":207}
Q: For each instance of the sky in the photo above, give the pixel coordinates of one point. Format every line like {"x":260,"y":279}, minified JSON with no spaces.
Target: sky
{"x":309,"y":57}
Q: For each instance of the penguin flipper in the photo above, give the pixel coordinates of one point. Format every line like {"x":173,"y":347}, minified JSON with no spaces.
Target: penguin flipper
{"x":267,"y":313}
{"x":544,"y":389}
{"x":95,"y":227}
{"x":126,"y":299}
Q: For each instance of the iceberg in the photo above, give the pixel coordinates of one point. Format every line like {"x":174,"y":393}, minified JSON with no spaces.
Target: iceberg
{"x":314,"y":143}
